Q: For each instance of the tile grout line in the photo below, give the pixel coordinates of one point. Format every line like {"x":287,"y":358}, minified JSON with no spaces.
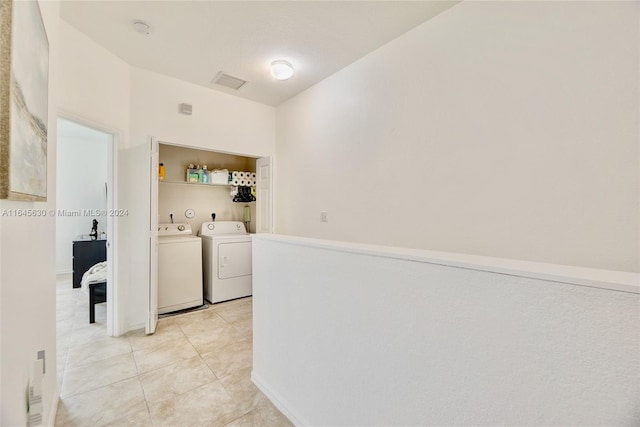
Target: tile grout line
{"x":218,"y":379}
{"x":62,"y":397}
{"x":144,"y":395}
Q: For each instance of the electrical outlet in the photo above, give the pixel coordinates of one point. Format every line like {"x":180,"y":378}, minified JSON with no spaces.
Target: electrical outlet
{"x":323,"y":216}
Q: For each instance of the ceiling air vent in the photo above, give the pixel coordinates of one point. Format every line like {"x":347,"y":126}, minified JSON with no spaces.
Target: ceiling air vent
{"x":234,"y":83}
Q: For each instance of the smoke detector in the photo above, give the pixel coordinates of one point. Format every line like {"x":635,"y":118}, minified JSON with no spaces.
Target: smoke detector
{"x":226,"y":80}
{"x":142,"y":27}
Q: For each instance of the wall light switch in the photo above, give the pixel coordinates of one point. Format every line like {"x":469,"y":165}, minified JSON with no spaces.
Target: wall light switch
{"x":323,"y":216}
{"x":44,"y":361}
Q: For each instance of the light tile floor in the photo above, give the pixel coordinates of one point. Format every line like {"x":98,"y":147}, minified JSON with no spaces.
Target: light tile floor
{"x":195,"y":370}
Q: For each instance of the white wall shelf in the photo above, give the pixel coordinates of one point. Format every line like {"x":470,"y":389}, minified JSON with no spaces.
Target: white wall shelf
{"x":196,"y":183}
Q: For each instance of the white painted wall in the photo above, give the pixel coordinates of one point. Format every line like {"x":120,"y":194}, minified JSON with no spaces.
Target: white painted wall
{"x":81,"y":177}
{"x":27,"y":276}
{"x":93,"y":83}
{"x":505,"y":129}
{"x":219,"y":121}
{"x":349,"y":334}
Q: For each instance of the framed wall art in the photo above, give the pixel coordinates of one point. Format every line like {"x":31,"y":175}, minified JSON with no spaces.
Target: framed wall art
{"x":24,"y":88}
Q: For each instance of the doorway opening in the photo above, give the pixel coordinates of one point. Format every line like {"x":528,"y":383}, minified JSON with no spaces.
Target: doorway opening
{"x":85,"y":231}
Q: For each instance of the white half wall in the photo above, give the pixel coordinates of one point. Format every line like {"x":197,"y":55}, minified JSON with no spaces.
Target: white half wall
{"x":348,"y":334}
{"x":506,"y":129}
{"x":81,"y":177}
{"x":27,"y":275}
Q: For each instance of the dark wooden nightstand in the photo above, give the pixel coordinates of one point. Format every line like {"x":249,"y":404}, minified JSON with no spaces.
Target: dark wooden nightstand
{"x":86,"y":253}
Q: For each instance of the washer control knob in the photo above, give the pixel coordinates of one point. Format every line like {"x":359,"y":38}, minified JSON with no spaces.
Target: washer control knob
{"x":181,"y":228}
{"x":211,"y":226}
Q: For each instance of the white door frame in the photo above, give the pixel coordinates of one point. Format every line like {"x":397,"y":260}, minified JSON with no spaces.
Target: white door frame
{"x":264,"y":212}
{"x":115,"y":320}
{"x":152,"y":300}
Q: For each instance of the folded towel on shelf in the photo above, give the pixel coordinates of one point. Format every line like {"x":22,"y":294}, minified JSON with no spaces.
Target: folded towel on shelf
{"x":96,"y":274}
{"x":219,"y":176}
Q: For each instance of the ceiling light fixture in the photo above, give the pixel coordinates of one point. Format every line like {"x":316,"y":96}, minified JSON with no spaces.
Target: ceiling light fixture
{"x":281,"y":69}
{"x":142,"y":27}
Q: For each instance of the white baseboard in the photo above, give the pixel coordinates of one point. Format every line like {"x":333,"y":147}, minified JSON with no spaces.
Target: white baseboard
{"x":134,"y":327}
{"x":277,"y":400}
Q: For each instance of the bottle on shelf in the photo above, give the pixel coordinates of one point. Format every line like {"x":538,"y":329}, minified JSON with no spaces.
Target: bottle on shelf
{"x":161,"y":172}
{"x":192,"y":173}
{"x":199,"y":172}
{"x":205,"y":175}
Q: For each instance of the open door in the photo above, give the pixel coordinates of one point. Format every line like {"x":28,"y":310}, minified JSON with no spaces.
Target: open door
{"x":264,"y":208}
{"x":152,"y":317}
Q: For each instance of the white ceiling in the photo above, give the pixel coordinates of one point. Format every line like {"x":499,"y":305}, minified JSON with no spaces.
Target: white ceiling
{"x":195,"y":40}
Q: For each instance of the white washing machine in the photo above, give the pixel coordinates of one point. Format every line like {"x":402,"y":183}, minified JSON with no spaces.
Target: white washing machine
{"x":179,"y":268}
{"x":226,"y":260}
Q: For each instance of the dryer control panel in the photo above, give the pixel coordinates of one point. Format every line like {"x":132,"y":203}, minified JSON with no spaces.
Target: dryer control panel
{"x":222,"y":227}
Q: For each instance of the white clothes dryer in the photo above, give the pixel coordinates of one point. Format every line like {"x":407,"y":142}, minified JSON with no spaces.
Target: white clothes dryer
{"x":226,"y":260}
{"x":179,"y":268}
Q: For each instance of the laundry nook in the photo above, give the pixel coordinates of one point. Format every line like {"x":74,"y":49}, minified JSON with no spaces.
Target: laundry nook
{"x":204,"y":250}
